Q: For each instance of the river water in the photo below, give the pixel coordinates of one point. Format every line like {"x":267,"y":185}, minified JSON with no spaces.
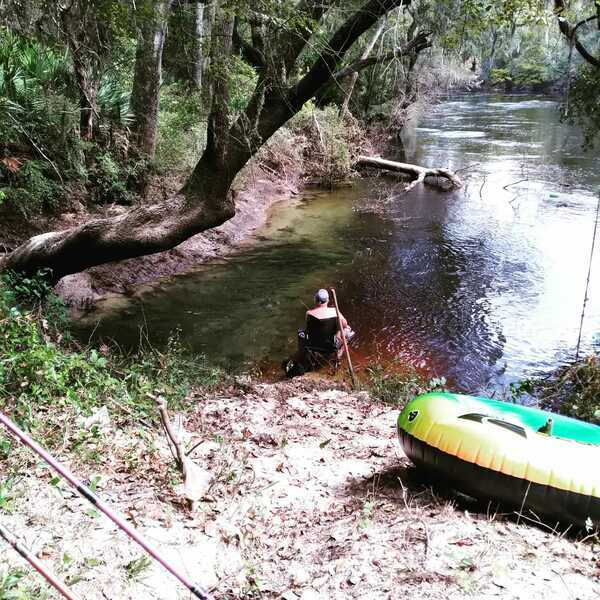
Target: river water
{"x":483,"y":285}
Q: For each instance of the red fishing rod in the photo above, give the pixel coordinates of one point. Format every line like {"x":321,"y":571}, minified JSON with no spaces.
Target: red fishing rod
{"x":117,"y":519}
{"x":36,"y":564}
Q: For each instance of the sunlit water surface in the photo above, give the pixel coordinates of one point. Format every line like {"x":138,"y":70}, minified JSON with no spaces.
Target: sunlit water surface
{"x":484,"y":285}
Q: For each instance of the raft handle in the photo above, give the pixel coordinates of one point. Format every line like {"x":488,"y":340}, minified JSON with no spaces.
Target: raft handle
{"x":480,"y":418}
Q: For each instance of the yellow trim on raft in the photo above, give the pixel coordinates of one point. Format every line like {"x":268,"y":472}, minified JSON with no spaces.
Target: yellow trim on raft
{"x":546,"y":460}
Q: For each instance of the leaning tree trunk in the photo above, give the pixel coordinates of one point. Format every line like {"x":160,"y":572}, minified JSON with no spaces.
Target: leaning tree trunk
{"x":147,"y":76}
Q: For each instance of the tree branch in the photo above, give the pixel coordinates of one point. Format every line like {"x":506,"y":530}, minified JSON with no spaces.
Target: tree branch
{"x":322,"y":71}
{"x":252,"y":55}
{"x":139,"y":231}
{"x":292,"y":45}
{"x":417,"y":44}
{"x":419,"y":173}
{"x":570,"y":32}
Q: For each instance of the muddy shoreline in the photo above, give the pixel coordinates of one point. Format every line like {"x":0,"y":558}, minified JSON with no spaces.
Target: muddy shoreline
{"x":255,"y":197}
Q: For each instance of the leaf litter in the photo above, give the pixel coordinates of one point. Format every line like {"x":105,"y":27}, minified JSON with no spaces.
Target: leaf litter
{"x":310,"y":497}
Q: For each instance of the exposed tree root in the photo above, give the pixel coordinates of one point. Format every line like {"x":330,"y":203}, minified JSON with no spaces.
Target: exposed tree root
{"x":419,"y":173}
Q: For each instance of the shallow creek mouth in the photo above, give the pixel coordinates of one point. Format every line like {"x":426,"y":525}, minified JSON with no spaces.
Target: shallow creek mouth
{"x":484,"y":285}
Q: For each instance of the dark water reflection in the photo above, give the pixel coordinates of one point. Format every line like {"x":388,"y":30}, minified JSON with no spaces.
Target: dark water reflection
{"x":484,"y":285}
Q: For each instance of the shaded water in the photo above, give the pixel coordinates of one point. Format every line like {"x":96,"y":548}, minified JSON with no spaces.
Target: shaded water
{"x":484,"y":285}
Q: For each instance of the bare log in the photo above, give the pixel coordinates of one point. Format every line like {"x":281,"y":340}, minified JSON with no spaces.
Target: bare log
{"x":419,"y":173}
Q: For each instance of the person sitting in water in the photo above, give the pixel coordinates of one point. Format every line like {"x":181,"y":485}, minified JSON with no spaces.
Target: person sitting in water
{"x":322,"y":334}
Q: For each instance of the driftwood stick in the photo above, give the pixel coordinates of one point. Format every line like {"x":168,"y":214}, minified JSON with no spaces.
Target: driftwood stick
{"x":419,"y":173}
{"x":171,"y":435}
{"x":196,"y":481}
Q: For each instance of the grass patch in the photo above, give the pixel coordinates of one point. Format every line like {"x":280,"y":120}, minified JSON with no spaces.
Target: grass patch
{"x":47,"y":380}
{"x":398,"y":384}
{"x":14,"y":585}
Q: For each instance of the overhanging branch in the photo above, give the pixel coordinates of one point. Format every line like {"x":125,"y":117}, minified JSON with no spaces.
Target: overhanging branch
{"x":570,"y":32}
{"x":416,"y":45}
{"x":251,"y":54}
{"x":326,"y":65}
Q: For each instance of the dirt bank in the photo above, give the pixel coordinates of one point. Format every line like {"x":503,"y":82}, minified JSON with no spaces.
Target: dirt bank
{"x":311,"y":497}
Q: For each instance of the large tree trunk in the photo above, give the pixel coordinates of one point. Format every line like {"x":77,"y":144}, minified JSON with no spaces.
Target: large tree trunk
{"x":210,"y":12}
{"x":142,"y":230}
{"x":198,"y":67}
{"x":147,"y":77}
{"x":204,"y":201}
{"x":87,"y":38}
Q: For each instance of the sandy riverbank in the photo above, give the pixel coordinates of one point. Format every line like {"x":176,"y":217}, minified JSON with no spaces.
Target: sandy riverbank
{"x":311,"y":497}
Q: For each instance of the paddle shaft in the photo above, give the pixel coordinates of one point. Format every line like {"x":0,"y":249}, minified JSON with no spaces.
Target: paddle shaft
{"x":56,"y":583}
{"x":344,"y":342}
{"x":100,"y":505}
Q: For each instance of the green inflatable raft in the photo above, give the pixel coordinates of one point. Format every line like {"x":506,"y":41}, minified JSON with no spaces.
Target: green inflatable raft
{"x":493,"y":449}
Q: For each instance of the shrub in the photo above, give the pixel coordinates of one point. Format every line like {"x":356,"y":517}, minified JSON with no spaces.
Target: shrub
{"x":573,"y":390}
{"x":584,"y":104}
{"x":327,"y":142}
{"x":31,"y":189}
{"x":498,"y":76}
{"x":109,"y":180}
{"x":242,"y":84}
{"x":398,"y":384}
{"x":530,"y":74}
{"x":181,"y":129}
{"x":45,"y":377}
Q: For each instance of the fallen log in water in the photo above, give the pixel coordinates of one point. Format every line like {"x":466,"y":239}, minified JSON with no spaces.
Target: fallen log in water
{"x":419,"y":173}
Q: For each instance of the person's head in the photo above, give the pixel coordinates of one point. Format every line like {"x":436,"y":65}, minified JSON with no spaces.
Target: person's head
{"x":322,"y":297}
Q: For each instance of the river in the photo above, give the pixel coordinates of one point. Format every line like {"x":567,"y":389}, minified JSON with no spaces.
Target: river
{"x":483,"y":285}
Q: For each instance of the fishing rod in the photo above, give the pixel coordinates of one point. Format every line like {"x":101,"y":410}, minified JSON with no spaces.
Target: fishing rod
{"x":344,"y":341}
{"x":587,"y":283}
{"x":56,"y":583}
{"x":100,"y":505}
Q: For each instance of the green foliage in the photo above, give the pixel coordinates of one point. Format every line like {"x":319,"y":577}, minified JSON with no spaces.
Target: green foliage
{"x":43,"y":375}
{"x":34,"y":83}
{"x":242,"y":82}
{"x":109,"y":179}
{"x":32,"y":189}
{"x":181,"y":129}
{"x":113,"y":104}
{"x":573,"y":391}
{"x":398,"y":384}
{"x":14,"y":585}
{"x":498,"y":76}
{"x":584,"y":104}
{"x":530,"y":74}
{"x":137,"y":567}
{"x":39,"y":117}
